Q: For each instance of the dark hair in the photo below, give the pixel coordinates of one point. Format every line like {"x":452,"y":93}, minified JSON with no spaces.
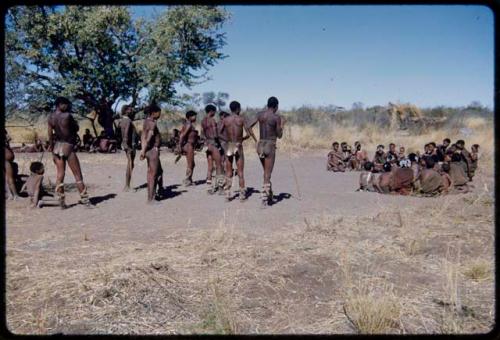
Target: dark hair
{"x":335,"y":143}
{"x":37,"y":168}
{"x":445,"y":167}
{"x":426,"y":145}
{"x":433,"y":144}
{"x":125,"y":108}
{"x":234,"y":106}
{"x":387,"y":167}
{"x":412,"y":157}
{"x":343,"y":143}
{"x":429,"y":162}
{"x":62,"y":100}
{"x":380,"y":146}
{"x":190,"y":113}
{"x":392,"y":144}
{"x":456,"y":157}
{"x":87,"y":130}
{"x":210,"y":108}
{"x":151,"y":108}
{"x":272,"y":102}
{"x":475,"y":146}
{"x":368,"y":166}
{"x":460,"y":141}
{"x":447,"y":140}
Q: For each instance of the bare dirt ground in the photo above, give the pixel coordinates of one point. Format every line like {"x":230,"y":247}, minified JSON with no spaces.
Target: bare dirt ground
{"x":322,"y":259}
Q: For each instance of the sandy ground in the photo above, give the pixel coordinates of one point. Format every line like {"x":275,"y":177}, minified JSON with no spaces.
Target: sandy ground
{"x":78,"y":243}
{"x":319,"y":191}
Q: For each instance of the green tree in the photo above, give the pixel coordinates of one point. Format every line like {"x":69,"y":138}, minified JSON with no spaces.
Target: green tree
{"x":97,"y":55}
{"x":219,"y":98}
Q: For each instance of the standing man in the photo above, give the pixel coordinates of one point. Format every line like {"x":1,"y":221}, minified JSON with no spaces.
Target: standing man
{"x":209,"y":130}
{"x":222,"y":141}
{"x":187,"y":144}
{"x":10,"y":173}
{"x":150,"y":142}
{"x":234,"y":125}
{"x":270,"y":129}
{"x":62,"y":130}
{"x":129,"y":135}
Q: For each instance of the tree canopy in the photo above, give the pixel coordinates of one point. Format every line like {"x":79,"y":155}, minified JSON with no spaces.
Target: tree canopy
{"x":96,"y":55}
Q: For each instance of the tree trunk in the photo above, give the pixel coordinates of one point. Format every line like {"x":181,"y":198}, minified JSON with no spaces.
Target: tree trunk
{"x":105,"y":118}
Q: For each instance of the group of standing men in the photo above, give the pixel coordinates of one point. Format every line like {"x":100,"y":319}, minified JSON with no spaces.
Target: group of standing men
{"x":224,"y":142}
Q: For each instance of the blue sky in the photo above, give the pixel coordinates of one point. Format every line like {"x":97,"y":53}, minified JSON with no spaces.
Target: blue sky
{"x":321,"y":55}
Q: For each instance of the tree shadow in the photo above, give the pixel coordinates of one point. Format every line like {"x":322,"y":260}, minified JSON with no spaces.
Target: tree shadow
{"x":168,"y":192}
{"x":98,"y":199}
{"x":280,"y":197}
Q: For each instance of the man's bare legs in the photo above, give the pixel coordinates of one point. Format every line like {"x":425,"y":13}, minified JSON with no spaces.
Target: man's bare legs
{"x":210,"y":166}
{"x":152,"y":177}
{"x":219,"y":177}
{"x":189,"y":150}
{"x":240,"y":164}
{"x":11,"y":183}
{"x":130,"y":167}
{"x":229,"y":176}
{"x":267,"y":165}
{"x":60,"y":173}
{"x":74,"y":165}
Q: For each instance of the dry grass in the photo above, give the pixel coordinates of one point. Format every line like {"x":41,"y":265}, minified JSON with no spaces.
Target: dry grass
{"x":478,"y":270}
{"x":394,"y":272}
{"x":372,"y":312}
{"x":297,"y":137}
{"x":225,"y":281}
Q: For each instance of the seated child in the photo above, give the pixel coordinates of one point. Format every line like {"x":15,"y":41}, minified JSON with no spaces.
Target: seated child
{"x":367,"y":178}
{"x":33,"y":186}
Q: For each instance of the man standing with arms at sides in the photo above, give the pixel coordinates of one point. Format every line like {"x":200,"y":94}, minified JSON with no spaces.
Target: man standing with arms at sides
{"x":62,"y":130}
{"x":209,"y":130}
{"x":10,"y":180}
{"x":270,"y":129}
{"x":234,"y":125}
{"x":187,"y":144}
{"x":129,"y":135}
{"x":150,"y":142}
{"x":222,"y":141}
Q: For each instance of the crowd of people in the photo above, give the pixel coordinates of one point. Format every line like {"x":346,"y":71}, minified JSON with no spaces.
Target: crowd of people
{"x":223,"y":139}
{"x":439,"y":169}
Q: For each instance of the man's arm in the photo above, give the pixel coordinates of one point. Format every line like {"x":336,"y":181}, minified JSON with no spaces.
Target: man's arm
{"x":279,"y":130}
{"x":147,"y":134}
{"x":248,"y":129}
{"x":184,"y":132}
{"x":50,"y":133}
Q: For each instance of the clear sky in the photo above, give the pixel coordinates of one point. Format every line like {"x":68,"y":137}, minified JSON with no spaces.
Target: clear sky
{"x":321,"y":55}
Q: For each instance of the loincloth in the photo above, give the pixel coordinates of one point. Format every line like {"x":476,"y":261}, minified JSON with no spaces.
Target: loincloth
{"x":63,"y":149}
{"x":233,"y":149}
{"x":210,"y":141}
{"x":154,"y":152}
{"x":266,"y":147}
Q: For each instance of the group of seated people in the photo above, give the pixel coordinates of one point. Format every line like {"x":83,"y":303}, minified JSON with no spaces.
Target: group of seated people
{"x":440,"y":169}
{"x":103,"y":143}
